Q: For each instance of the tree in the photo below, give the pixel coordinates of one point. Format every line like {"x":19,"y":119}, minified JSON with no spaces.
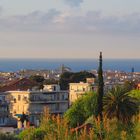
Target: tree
{"x":83,"y":108}
{"x":135,"y":93}
{"x":119,"y":104}
{"x":70,"y":77}
{"x":50,"y":81}
{"x":130,"y":85}
{"x":100,"y":91}
{"x":4,"y":136}
{"x":37,"y":78}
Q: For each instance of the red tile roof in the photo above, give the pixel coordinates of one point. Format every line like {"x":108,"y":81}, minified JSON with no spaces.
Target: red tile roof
{"x":19,"y":84}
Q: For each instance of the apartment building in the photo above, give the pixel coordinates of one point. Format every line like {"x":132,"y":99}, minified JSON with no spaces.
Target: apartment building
{"x":5,"y":117}
{"x":79,"y":89}
{"x":4,"y":113}
{"x":32,"y":103}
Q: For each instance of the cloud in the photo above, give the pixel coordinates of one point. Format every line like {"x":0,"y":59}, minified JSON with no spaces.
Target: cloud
{"x":73,"y":3}
{"x":58,"y":21}
{"x":34,"y":21}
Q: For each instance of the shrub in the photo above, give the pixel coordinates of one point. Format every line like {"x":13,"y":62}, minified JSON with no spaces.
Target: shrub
{"x":7,"y":137}
{"x":83,"y":108}
{"x":32,"y":134}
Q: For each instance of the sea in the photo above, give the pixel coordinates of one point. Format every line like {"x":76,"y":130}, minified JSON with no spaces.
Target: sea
{"x":13,"y":65}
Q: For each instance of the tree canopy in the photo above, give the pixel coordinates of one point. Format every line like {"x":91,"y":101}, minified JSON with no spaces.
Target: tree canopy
{"x":135,"y":93}
{"x":70,"y":77}
{"x":37,"y":78}
{"x":119,"y":104}
{"x":82,"y":108}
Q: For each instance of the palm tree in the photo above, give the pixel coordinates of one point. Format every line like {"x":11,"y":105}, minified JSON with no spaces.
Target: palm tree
{"x":117,"y":103}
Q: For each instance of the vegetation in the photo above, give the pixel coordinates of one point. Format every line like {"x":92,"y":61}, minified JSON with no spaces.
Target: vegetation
{"x":118,"y":104}
{"x":121,"y":120}
{"x":39,"y":80}
{"x":130,"y":85}
{"x":135,"y":93}
{"x":100,"y":91}
{"x":57,"y":128}
{"x":50,"y":81}
{"x":82,"y":109}
{"x":70,"y":77}
{"x":7,"y":137}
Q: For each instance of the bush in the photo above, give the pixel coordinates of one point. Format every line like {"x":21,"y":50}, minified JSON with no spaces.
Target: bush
{"x":32,"y":134}
{"x":83,"y":108}
{"x":57,"y":128}
{"x":135,"y":93}
{"x":7,"y":137}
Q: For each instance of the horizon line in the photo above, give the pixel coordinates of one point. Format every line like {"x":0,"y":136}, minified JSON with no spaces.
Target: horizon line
{"x":69,"y":58}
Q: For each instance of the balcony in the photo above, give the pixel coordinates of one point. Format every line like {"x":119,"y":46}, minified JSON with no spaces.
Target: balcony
{"x":57,"y":111}
{"x":47,"y":101}
{"x":53,"y":111}
{"x":4,"y":113}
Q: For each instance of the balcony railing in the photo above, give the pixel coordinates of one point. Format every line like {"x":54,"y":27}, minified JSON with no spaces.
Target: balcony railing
{"x":48,"y":101}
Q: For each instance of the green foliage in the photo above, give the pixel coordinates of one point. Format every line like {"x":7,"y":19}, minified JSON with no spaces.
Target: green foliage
{"x":57,"y":128}
{"x":129,"y":85}
{"x":118,"y":103}
{"x":32,"y":134}
{"x":37,"y":78}
{"x":50,"y":81}
{"x":7,"y":137}
{"x":135,"y":93}
{"x":69,"y":77}
{"x":82,"y":109}
{"x":100,"y":91}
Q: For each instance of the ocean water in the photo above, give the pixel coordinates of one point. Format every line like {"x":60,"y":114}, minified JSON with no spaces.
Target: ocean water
{"x":74,"y":64}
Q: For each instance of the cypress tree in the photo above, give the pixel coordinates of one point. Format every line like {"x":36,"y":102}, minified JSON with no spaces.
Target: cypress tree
{"x":100,"y":91}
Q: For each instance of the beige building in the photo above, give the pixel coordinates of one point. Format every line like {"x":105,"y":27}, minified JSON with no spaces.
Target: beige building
{"x":32,"y":103}
{"x":79,"y":89}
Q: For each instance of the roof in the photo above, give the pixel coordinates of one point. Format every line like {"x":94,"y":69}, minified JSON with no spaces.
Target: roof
{"x":18,"y":84}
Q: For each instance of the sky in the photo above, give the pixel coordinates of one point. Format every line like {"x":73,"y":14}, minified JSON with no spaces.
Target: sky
{"x":69,"y":28}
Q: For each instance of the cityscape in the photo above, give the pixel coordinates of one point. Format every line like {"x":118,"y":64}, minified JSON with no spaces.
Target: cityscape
{"x":69,"y":70}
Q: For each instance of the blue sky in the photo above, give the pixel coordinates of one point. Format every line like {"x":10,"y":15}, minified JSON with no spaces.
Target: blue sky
{"x":69,"y":28}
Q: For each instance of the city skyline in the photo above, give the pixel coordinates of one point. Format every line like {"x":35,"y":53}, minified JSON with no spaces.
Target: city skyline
{"x":69,"y":29}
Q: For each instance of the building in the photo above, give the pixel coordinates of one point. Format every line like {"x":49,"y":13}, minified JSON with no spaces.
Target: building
{"x":79,"y":89}
{"x":18,"y":84}
{"x":138,"y":86}
{"x":53,"y":87}
{"x":4,"y":112}
{"x":32,"y":103}
{"x":5,"y":117}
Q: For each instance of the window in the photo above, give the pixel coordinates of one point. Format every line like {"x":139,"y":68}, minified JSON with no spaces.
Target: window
{"x":54,"y":88}
{"x":19,"y":97}
{"x":57,"y":107}
{"x":57,"y":96}
{"x":63,"y":97}
{"x":52,"y":98}
{"x":71,"y":97}
{"x":14,"y":100}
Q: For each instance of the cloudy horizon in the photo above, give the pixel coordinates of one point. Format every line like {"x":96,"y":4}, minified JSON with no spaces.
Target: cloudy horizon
{"x":69,"y":29}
